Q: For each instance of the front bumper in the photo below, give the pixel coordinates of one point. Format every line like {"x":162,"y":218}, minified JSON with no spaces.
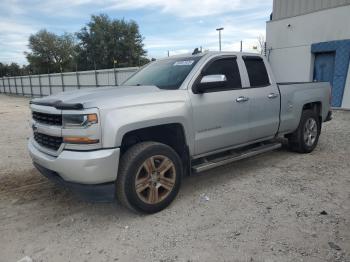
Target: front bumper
{"x":78,"y":167}
{"x":96,"y":193}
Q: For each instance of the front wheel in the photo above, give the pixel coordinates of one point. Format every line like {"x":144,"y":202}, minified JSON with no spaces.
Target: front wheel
{"x":149,"y":177}
{"x":305,"y":138}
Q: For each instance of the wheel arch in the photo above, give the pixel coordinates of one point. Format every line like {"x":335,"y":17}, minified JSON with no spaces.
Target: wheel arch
{"x":172,"y":134}
{"x":316,"y":107}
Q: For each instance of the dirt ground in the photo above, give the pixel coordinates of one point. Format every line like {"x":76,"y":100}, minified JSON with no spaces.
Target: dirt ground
{"x":280,"y":206}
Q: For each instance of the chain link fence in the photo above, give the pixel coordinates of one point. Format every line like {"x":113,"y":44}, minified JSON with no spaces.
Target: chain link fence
{"x":48,"y":84}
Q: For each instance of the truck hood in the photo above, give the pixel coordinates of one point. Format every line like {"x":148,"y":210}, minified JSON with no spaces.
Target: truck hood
{"x":110,"y":97}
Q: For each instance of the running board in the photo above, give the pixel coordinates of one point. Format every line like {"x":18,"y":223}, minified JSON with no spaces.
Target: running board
{"x":233,"y":157}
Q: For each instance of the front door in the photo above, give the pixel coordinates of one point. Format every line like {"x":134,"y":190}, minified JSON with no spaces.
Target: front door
{"x":220,"y":115}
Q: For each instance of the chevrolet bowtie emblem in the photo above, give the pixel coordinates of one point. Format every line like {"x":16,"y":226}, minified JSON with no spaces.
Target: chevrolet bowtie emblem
{"x":35,"y":128}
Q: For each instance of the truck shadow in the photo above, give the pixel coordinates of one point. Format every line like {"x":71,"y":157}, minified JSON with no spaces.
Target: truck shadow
{"x":28,"y":189}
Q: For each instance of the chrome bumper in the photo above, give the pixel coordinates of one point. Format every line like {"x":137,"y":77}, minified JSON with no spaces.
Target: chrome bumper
{"x":90,"y":167}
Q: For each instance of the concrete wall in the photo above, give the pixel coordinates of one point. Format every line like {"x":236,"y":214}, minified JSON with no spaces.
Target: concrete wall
{"x":289,"y":8}
{"x":289,"y":41}
{"x":290,"y":47}
{"x":294,"y":64}
{"x":43,"y":85}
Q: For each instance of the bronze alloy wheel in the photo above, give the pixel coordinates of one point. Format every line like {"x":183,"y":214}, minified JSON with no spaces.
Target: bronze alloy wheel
{"x":149,"y":177}
{"x":155,"y":179}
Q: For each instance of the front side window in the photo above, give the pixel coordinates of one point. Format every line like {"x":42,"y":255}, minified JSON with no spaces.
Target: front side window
{"x":165,"y":74}
{"x":257,"y":72}
{"x":229,"y":68}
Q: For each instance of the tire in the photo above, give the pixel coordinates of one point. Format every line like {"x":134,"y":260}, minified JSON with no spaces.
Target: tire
{"x":305,"y":139}
{"x":156,"y":170}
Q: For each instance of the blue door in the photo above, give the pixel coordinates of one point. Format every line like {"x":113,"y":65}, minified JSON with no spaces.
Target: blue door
{"x":324,"y":67}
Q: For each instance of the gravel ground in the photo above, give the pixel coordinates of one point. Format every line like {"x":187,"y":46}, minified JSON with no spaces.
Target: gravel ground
{"x":280,"y":206}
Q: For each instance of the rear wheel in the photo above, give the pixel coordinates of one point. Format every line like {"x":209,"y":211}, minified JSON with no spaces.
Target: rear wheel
{"x":305,"y":138}
{"x":149,"y":177}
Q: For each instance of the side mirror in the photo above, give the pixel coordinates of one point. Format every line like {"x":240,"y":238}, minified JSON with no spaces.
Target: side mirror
{"x":211,"y":82}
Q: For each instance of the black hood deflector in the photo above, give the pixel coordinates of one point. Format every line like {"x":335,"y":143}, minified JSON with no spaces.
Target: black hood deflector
{"x":58,"y":104}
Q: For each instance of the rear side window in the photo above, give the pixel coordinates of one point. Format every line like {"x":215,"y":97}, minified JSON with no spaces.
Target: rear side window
{"x":229,"y":68}
{"x":257,"y":72}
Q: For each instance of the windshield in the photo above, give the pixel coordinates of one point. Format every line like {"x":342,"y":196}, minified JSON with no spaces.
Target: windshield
{"x":165,"y":74}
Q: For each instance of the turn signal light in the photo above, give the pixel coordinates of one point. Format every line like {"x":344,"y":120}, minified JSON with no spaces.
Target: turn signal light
{"x":80,"y":140}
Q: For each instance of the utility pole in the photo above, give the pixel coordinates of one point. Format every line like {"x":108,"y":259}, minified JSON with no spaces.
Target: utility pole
{"x":219,"y":29}
{"x":168,"y":53}
{"x":241,"y":46}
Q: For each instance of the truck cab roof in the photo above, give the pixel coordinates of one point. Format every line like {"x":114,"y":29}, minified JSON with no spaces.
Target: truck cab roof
{"x":211,"y":53}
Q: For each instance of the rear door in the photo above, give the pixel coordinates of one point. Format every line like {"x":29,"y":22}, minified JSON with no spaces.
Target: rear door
{"x":264,"y":100}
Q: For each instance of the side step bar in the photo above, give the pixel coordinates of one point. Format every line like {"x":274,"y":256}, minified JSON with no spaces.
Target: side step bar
{"x":220,"y":161}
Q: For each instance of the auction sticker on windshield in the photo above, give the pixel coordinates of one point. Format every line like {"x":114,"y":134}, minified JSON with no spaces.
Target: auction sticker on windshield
{"x":184,"y":63}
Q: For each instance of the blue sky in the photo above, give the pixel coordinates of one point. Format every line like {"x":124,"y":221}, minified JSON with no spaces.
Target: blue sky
{"x":175,"y":25}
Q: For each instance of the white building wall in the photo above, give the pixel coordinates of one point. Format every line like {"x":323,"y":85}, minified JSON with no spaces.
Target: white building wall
{"x":346,"y":96}
{"x":289,"y":42}
{"x":292,"y":64}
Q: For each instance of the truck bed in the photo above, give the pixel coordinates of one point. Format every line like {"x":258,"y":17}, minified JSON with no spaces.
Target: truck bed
{"x":295,"y":95}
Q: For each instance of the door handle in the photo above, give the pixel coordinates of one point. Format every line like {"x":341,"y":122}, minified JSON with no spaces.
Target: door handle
{"x":272,"y":96}
{"x":242,"y":99}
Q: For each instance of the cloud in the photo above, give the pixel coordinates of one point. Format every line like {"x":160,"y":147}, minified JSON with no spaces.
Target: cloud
{"x":68,"y":8}
{"x":14,"y":40}
{"x":177,"y":25}
{"x":241,"y":24}
{"x":187,"y":8}
{"x":193,"y":8}
{"x":8,"y":26}
{"x":196,"y":35}
{"x":166,"y":42}
{"x":12,"y":7}
{"x":180,"y":51}
{"x":180,"y":8}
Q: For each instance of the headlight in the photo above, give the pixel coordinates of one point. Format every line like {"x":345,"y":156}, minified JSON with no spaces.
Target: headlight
{"x":81,"y":131}
{"x":74,"y":121}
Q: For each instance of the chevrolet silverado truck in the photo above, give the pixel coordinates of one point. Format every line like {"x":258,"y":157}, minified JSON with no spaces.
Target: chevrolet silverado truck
{"x":173,"y":117}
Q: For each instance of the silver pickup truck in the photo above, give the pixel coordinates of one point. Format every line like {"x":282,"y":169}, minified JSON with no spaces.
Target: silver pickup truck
{"x":173,"y":117}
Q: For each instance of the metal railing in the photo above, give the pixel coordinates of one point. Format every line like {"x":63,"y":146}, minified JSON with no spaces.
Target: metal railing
{"x":48,"y":84}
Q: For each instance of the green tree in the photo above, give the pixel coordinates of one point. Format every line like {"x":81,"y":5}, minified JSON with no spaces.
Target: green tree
{"x":3,"y":69}
{"x":104,"y":42}
{"x":51,"y":52}
{"x":12,"y":69}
